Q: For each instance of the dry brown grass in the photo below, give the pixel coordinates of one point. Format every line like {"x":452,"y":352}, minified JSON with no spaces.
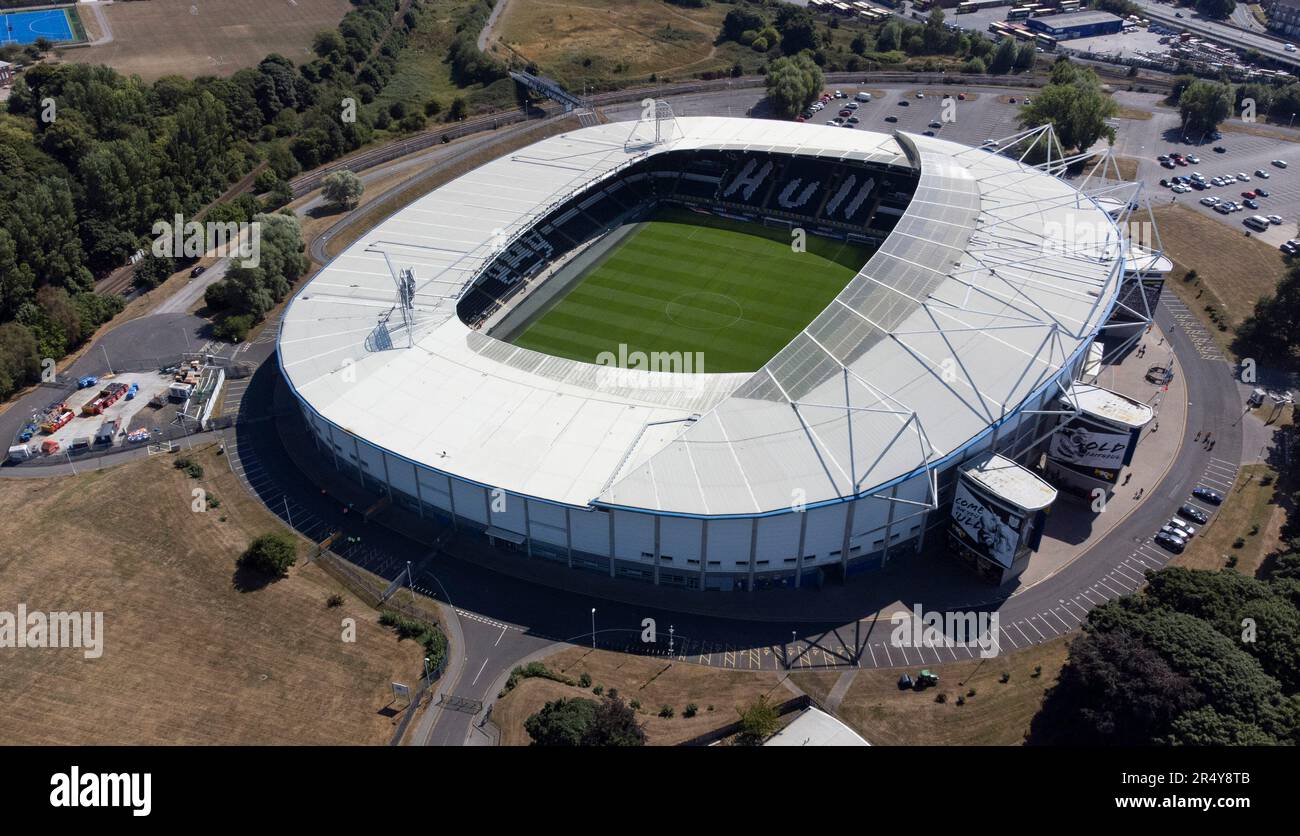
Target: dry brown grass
{"x":1134,"y":113}
{"x":187,"y":658}
{"x":654,"y":682}
{"x":162,"y":37}
{"x":1248,"y":505}
{"x":566,"y":37}
{"x":1234,"y":271}
{"x":998,"y":715}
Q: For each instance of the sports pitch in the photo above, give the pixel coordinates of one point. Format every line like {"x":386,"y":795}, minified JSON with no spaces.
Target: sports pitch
{"x":735,"y":293}
{"x":26,"y":27}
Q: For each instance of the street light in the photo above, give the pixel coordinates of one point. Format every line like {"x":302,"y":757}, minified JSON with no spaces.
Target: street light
{"x":593,"y":628}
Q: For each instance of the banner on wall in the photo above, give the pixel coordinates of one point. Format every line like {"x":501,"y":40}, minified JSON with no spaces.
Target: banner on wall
{"x":986,"y":529}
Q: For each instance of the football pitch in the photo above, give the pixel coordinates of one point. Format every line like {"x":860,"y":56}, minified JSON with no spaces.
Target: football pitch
{"x":736,"y":293}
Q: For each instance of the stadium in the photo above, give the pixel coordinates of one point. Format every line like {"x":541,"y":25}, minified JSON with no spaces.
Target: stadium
{"x":727,"y":354}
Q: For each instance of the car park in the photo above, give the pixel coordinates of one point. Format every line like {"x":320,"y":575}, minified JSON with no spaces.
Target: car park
{"x":1196,"y":515}
{"x":1206,"y":495}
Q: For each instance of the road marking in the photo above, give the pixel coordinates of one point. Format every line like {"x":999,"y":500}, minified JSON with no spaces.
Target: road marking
{"x":873,"y":657}
{"x":1022,"y":635}
{"x":480,"y":672}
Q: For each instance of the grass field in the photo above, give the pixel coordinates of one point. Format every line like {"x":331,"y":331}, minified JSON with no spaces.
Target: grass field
{"x":579,"y":41}
{"x":187,"y":38}
{"x":653,"y":682}
{"x":1233,"y":271}
{"x":684,"y":282}
{"x":187,"y":657}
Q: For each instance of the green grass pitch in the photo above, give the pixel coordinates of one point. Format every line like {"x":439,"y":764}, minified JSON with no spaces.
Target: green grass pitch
{"x":685,"y":282}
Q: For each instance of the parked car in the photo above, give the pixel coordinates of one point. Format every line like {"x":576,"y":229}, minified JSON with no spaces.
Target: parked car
{"x":1188,"y":530}
{"x":1209,"y":201}
{"x":87,"y":381}
{"x":1275,"y":219}
{"x":1206,"y":495}
{"x":1173,"y":544}
{"x":936,"y":125}
{"x":1219,"y":149}
{"x":1193,"y":159}
{"x":1176,"y":533}
{"x":1196,"y":515}
{"x":891,"y":118}
{"x":1279,"y":163}
{"x":1259,"y":172}
{"x":904,"y":103}
{"x":1261,"y":192}
{"x":1168,"y":164}
{"x":1252,"y":204}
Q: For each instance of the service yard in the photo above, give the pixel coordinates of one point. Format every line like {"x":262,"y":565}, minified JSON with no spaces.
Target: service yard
{"x":130,"y":414}
{"x":187,"y":657}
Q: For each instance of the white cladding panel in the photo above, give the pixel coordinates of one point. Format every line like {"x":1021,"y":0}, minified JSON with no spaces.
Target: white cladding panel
{"x":547,"y":523}
{"x":825,"y":530}
{"x":470,"y":501}
{"x":507,"y":511}
{"x":634,"y":536}
{"x":400,"y":475}
{"x":680,"y":537}
{"x":778,"y":538}
{"x":590,"y":531}
{"x":729,"y":543}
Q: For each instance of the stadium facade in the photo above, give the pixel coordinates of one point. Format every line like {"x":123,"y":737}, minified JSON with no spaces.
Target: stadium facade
{"x":915,"y":409}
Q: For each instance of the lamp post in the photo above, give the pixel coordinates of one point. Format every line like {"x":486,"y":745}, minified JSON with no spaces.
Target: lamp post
{"x":593,"y":628}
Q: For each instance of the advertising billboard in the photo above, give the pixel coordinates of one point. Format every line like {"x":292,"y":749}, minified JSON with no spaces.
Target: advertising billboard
{"x":1089,"y":446}
{"x":986,"y":529}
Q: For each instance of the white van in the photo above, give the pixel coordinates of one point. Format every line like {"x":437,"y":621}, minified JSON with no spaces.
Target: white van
{"x":862,"y":97}
{"x":1259,"y":223}
{"x":19,"y":453}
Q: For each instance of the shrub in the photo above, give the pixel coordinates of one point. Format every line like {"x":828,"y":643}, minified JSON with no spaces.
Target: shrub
{"x":636,"y":705}
{"x":584,"y":681}
{"x":666,"y":711}
{"x":1005,"y":678}
{"x":940,"y":697}
{"x":758,"y":722}
{"x":961,"y":700}
{"x":598,"y":690}
{"x":971,"y":692}
{"x":335,"y":600}
{"x":271,"y":554}
{"x":1239,"y":542}
{"x":691,"y":710}
{"x":191,"y":467}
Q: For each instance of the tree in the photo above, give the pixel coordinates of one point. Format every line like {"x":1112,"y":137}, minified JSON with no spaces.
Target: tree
{"x":561,"y":722}
{"x":342,"y":188}
{"x":758,"y":722}
{"x":1075,"y":105}
{"x":459,"y":109}
{"x":740,"y":20}
{"x":614,"y":724}
{"x":1204,"y":104}
{"x":890,"y":36}
{"x":270,"y":554}
{"x":1004,"y":59}
{"x":1216,"y":9}
{"x":792,"y":84}
{"x":1271,"y":334}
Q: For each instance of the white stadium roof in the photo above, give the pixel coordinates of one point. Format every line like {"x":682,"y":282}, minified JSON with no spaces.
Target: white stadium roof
{"x":972,"y":304}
